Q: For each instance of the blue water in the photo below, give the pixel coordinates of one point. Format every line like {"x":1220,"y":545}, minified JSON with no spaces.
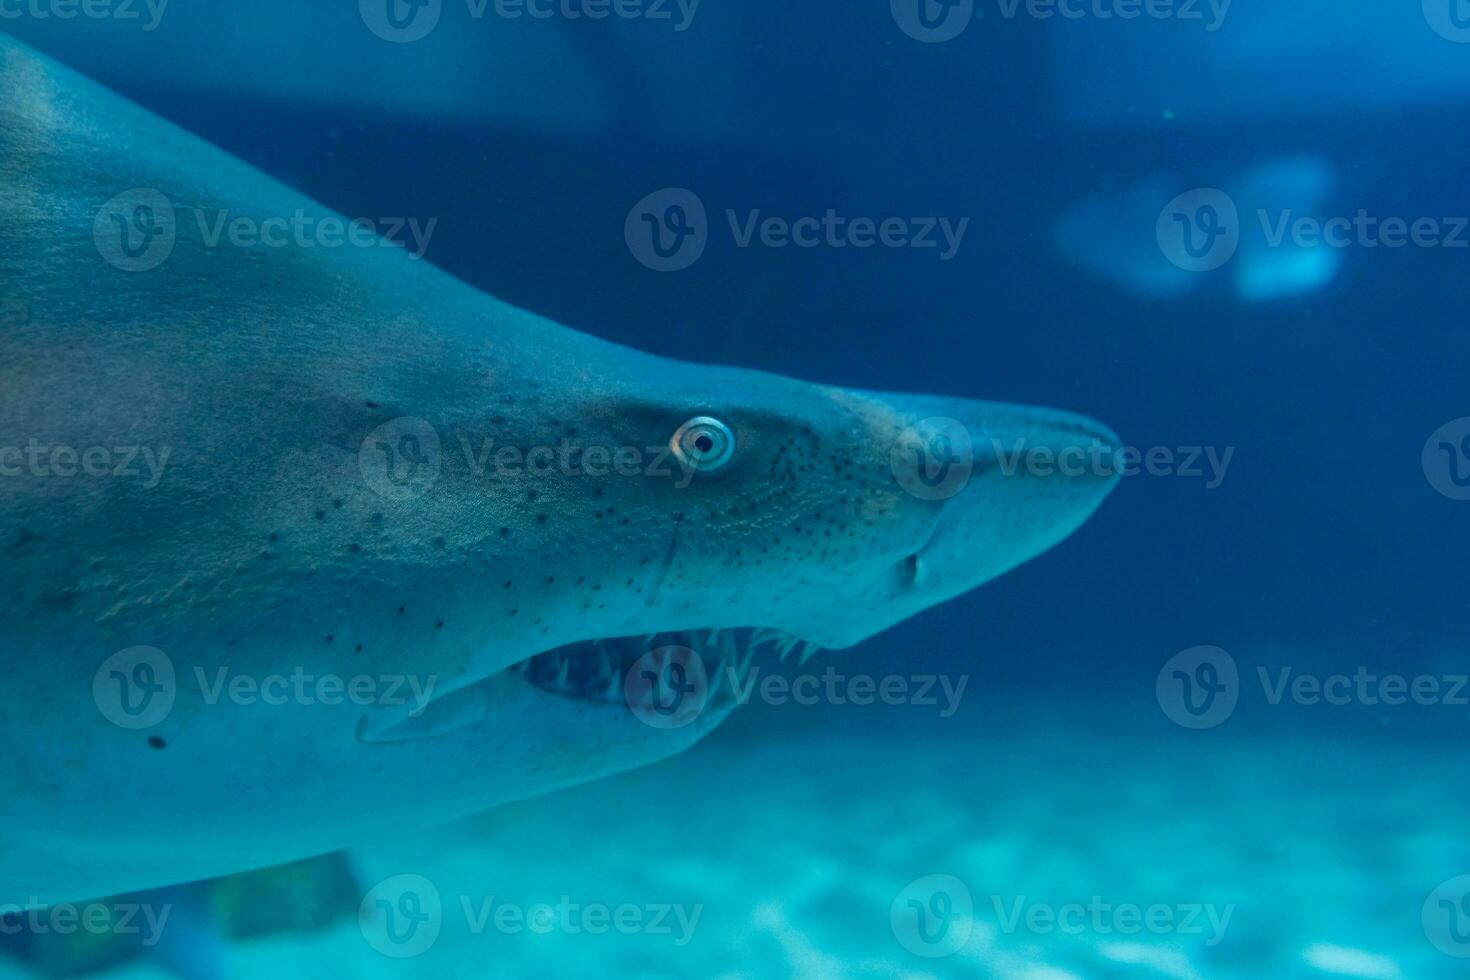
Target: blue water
{"x":1075,"y":771}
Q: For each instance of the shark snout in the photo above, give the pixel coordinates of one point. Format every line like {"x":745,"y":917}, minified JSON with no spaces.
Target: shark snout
{"x":999,"y":484}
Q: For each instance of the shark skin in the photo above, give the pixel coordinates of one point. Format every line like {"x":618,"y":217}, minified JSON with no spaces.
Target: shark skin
{"x":297,"y":522}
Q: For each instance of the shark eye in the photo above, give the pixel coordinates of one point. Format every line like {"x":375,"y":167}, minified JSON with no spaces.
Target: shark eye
{"x":703,"y":443}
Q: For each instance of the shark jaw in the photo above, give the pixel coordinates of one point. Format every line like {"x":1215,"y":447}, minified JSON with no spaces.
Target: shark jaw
{"x":599,"y":670}
{"x":612,"y":675}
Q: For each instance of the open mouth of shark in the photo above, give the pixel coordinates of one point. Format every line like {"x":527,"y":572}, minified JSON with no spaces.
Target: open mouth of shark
{"x":717,"y":660}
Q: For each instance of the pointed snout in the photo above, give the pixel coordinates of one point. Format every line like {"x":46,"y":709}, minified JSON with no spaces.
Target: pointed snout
{"x":1008,"y":482}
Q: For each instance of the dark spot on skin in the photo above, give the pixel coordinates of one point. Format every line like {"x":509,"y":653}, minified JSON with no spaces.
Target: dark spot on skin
{"x":401,"y":610}
{"x":354,"y":548}
{"x":154,"y":742}
{"x":330,"y":638}
{"x":337,"y":504}
{"x":581,"y":580}
{"x":24,"y":540}
{"x":597,"y":492}
{"x":274,"y":538}
{"x":550,"y":579}
{"x":514,"y":611}
{"x":507,"y":584}
{"x":439,"y":542}
{"x":439,"y":625}
{"x":321,"y":515}
{"x":540,"y":518}
{"x":359,"y":648}
{"x":531,"y":495}
{"x":505,"y":532}
{"x":372,"y":404}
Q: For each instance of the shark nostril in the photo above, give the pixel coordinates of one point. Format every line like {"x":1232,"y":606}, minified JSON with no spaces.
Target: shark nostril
{"x":914,"y":570}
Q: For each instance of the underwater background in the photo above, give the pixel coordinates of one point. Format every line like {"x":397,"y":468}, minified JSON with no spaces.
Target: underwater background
{"x":1217,"y":733}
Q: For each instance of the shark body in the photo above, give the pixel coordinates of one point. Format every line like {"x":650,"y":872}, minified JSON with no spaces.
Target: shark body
{"x":299,"y":546}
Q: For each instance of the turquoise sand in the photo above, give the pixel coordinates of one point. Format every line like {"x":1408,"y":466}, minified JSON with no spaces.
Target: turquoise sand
{"x":789,"y":856}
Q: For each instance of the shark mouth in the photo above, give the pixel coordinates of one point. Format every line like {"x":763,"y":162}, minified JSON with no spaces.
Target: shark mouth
{"x":637,"y":673}
{"x":604,"y":670}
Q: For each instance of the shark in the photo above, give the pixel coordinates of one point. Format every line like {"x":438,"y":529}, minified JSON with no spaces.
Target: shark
{"x":304,"y":542}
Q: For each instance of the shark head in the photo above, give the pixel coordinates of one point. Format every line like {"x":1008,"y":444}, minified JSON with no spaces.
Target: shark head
{"x":667,"y":521}
{"x":404,"y":552}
